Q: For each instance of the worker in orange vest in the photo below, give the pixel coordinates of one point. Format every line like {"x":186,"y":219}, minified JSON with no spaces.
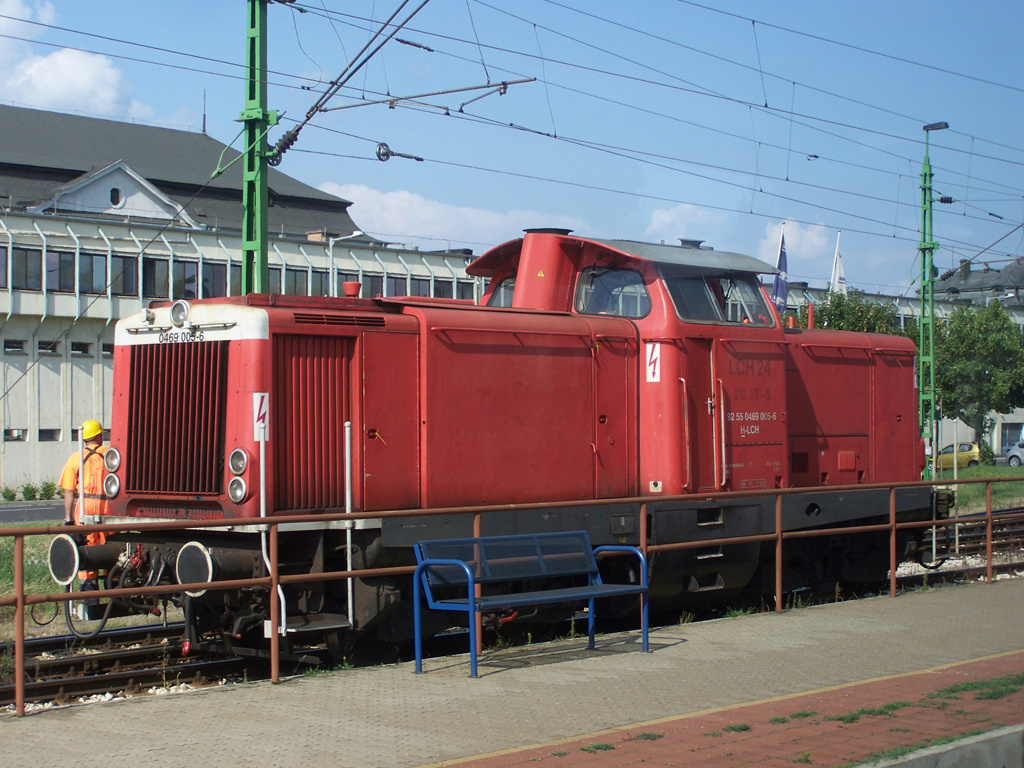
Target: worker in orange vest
{"x":92,"y":500}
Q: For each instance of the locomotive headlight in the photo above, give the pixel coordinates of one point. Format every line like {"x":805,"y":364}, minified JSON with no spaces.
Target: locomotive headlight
{"x":111,"y":486}
{"x":179,"y":313}
{"x":237,"y":490}
{"x":238,"y":461}
{"x":112,"y":459}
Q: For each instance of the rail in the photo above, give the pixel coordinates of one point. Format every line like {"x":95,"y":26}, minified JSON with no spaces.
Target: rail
{"x":21,"y":600}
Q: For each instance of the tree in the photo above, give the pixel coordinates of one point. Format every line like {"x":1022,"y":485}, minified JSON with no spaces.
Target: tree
{"x":979,"y":365}
{"x":852,"y":312}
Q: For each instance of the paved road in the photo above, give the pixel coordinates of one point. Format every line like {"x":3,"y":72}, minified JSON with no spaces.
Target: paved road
{"x":31,"y":512}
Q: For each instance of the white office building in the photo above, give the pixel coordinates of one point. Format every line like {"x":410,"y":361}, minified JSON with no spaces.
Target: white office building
{"x":98,"y":218}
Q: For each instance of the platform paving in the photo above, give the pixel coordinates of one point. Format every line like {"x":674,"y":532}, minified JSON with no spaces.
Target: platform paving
{"x":683,"y":704}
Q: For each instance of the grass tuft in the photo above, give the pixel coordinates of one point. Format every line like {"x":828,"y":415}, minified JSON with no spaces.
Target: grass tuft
{"x":738,"y":728}
{"x":885,"y":709}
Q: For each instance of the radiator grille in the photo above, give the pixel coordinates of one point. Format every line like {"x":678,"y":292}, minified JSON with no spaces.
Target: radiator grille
{"x":176,"y":405}
{"x":317,"y":318}
{"x":310,"y":407}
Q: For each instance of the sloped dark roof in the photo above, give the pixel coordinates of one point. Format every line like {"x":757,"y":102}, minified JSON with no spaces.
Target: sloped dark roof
{"x":970,"y":278}
{"x":43,"y":151}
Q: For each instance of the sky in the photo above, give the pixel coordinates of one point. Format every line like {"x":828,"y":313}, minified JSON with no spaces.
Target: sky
{"x":657,"y":120}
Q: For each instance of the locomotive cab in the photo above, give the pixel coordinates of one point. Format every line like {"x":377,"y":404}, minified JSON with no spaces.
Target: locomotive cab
{"x":712,"y":399}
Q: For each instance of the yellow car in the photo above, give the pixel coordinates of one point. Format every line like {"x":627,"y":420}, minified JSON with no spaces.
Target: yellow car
{"x":967,"y":455}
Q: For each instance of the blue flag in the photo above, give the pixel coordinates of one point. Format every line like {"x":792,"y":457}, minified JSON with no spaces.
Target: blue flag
{"x":780,"y":288}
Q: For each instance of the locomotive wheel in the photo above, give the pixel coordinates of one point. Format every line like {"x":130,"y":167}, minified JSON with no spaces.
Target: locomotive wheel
{"x":339,"y":643}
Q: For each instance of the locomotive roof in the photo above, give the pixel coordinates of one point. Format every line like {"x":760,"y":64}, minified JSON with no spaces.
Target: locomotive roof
{"x":687,"y":254}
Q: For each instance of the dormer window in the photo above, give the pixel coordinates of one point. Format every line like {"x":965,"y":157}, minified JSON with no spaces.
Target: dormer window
{"x":116,"y":198}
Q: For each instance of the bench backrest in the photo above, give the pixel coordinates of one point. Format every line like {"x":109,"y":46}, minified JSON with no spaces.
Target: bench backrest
{"x":510,"y":558}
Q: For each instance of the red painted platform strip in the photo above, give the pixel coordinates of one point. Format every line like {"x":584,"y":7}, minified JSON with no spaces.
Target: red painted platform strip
{"x":820,"y":728}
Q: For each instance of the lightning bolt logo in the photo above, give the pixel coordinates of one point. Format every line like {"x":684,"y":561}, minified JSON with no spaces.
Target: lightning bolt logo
{"x":260,"y":413}
{"x":654,"y":362}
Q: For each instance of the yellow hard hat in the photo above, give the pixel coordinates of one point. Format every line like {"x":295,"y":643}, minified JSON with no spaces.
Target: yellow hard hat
{"x":91,"y":428}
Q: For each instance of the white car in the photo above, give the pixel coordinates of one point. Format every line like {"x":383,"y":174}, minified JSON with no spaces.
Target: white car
{"x":1015,"y":456}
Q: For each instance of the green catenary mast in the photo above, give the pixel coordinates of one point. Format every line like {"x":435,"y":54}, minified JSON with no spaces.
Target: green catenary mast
{"x":925,"y":352}
{"x":257,"y":120}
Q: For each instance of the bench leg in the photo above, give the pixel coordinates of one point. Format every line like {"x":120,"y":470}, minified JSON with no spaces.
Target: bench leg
{"x":416,"y":624}
{"x":590,"y":624}
{"x":474,"y":641}
{"x":644,"y":621}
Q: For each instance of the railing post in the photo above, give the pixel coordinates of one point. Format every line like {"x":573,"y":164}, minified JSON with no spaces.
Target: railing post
{"x":19,"y":626}
{"x":644,"y":606}
{"x":275,"y":610}
{"x":988,"y":531}
{"x":892,"y":542}
{"x":778,"y":553}
{"x":478,"y":618}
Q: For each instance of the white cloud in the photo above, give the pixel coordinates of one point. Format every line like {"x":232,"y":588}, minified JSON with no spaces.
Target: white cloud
{"x":64,"y":80}
{"x":407,"y":217}
{"x":809,"y":248}
{"x":682,"y":221}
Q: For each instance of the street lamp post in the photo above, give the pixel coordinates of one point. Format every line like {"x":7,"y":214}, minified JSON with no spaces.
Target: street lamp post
{"x":926,"y":250}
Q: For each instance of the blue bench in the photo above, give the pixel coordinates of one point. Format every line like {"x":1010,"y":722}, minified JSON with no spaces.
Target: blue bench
{"x":449,"y":571}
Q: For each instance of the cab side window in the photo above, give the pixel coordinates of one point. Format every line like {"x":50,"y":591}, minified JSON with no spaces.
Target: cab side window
{"x":502,"y":295}
{"x":717,"y":298}
{"x":610,"y":291}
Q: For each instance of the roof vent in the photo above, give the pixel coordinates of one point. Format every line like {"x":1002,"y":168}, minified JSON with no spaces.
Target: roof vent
{"x":548,"y":231}
{"x":684,"y":243}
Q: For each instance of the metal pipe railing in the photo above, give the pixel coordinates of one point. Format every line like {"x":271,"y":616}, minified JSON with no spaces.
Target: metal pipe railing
{"x":275,"y":580}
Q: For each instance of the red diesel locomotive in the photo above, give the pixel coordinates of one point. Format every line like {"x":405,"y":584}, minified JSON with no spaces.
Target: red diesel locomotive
{"x":591,"y":370}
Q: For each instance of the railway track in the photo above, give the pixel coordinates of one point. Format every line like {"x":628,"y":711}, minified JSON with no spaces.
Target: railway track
{"x":63,"y":668}
{"x":965,"y":536}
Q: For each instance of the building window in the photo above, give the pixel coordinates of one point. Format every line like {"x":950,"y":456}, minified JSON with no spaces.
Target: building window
{"x":295,"y":282}
{"x":3,"y":267}
{"x":92,"y":273}
{"x":27,"y":269}
{"x":420,"y":287}
{"x":81,"y":348}
{"x":116,"y":198}
{"x":48,"y":347}
{"x":14,"y":435}
{"x":108,"y":350}
{"x":443,"y":289}
{"x":1012,"y":433}
{"x":397,"y":286}
{"x":124,"y":275}
{"x":14,"y":347}
{"x":215,"y":279}
{"x":60,"y":271}
{"x":467,"y":290}
{"x":154,"y":278}
{"x":376,"y":286}
{"x":186,"y":280}
{"x":236,"y":279}
{"x":49,"y":435}
{"x":275,"y":280}
{"x":321,"y":285}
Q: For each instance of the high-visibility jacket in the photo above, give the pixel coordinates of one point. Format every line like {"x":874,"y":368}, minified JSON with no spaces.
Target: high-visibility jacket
{"x":91,"y":488}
